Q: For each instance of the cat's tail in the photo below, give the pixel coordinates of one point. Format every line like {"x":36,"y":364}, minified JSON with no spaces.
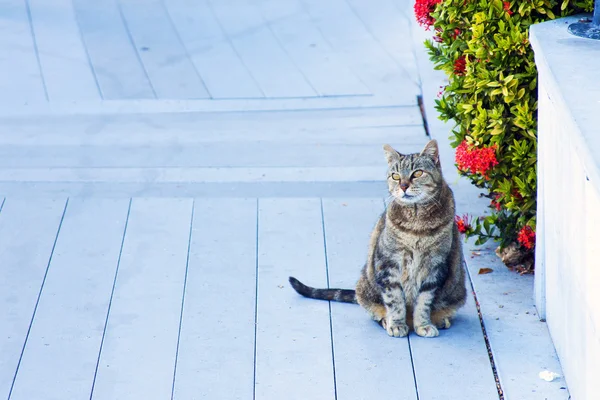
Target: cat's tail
{"x":341,"y":295}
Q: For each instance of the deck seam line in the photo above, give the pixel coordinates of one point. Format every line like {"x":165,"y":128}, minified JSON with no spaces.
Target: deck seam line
{"x":185,"y":48}
{"x":187,"y":264}
{"x":35,"y":47}
{"x":329,"y":302}
{"x":342,"y":59}
{"x":485,"y":337}
{"x":12,"y":385}
{"x":255,"y":301}
{"x":111,"y":298}
{"x":137,"y":53}
{"x":267,"y":22}
{"x":235,"y":50}
{"x":381,"y":45}
{"x":85,"y":48}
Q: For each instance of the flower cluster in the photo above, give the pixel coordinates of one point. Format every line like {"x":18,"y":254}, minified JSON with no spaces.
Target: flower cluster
{"x":526,"y":237}
{"x":423,"y":10}
{"x":460,"y":65}
{"x":462,"y":223}
{"x":475,"y":160}
{"x":507,"y":7}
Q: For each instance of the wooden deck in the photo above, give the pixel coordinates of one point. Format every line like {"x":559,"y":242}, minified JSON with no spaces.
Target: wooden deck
{"x":166,"y":165}
{"x":158,"y":297}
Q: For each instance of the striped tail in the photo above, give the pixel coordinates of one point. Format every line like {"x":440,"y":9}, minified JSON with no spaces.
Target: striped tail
{"x":341,"y":295}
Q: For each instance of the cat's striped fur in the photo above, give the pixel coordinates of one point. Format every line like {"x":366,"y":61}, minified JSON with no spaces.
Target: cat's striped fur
{"x":414,"y":274}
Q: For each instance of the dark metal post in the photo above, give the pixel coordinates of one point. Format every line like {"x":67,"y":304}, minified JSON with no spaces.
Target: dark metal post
{"x":588,"y":28}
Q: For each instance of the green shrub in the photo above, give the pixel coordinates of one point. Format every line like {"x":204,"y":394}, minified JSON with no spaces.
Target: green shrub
{"x":483,"y":46}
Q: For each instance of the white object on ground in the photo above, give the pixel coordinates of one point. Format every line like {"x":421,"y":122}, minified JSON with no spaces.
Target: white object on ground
{"x":548,"y":376}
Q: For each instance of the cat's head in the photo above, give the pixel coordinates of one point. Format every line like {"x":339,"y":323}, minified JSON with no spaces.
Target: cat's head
{"x":414,"y":178}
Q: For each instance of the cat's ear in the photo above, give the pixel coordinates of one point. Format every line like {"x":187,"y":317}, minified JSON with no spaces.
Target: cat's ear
{"x":391,"y":155}
{"x":431,"y":149}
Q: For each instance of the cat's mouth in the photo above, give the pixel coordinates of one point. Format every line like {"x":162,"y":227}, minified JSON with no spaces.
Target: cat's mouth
{"x":407,"y":198}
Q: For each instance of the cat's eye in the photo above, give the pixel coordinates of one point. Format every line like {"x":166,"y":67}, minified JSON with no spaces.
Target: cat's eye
{"x":396,"y":176}
{"x":417,"y":173}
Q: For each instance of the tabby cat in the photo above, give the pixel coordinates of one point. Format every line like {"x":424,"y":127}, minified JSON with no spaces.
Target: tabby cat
{"x":414,"y":274}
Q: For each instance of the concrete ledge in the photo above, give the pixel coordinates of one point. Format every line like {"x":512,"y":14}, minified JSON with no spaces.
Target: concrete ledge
{"x":567,"y":273}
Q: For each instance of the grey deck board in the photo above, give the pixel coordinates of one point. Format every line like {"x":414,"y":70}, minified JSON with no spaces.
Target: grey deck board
{"x":211,"y":51}
{"x":368,"y":363}
{"x":59,"y":360}
{"x":298,"y":35}
{"x":270,"y":65}
{"x":148,"y":135}
{"x":118,"y":69}
{"x":165,"y":59}
{"x":293,"y":341}
{"x":211,"y":126}
{"x":139,"y":350}
{"x":207,"y":155}
{"x":63,"y":57}
{"x":457,"y":361}
{"x":196,"y":189}
{"x":22,"y":81}
{"x":216,"y":349}
{"x":350,"y":38}
{"x":28,"y":229}
{"x":390,"y":28}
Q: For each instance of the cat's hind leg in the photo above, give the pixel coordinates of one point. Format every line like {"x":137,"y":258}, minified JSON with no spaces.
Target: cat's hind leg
{"x":370,"y":300}
{"x":443,"y":318}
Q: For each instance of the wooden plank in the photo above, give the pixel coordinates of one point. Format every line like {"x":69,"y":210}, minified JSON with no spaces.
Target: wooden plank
{"x":28,"y":229}
{"x":311,"y":53}
{"x":385,"y":22}
{"x":216,"y":350}
{"x":293,"y":342}
{"x":60,"y":357}
{"x":211,"y":51}
{"x":190,"y":175}
{"x":63,"y":58}
{"x":212,"y":125}
{"x":267,"y":61}
{"x":118,"y":69}
{"x":368,"y":363}
{"x":140,"y":344}
{"x":21,"y":80}
{"x":193,"y":189}
{"x":166,"y":60}
{"x":206,"y":155}
{"x":155,"y":106}
{"x":142,"y":135}
{"x":359,"y":50}
{"x":457,"y":355}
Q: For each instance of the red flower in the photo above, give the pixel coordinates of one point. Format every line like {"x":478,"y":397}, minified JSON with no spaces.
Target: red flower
{"x":455,"y":34}
{"x":516,"y":194}
{"x":526,"y":237}
{"x":460,"y":65}
{"x":462,"y":223}
{"x":507,"y":7}
{"x":474,"y":159}
{"x":423,"y":10}
{"x":495,"y":203}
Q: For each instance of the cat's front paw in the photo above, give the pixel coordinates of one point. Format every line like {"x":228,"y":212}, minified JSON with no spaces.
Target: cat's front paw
{"x":427,"y":331}
{"x":395,"y":328}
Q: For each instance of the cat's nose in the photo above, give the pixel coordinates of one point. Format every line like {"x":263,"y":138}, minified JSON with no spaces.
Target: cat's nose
{"x":404,"y":186}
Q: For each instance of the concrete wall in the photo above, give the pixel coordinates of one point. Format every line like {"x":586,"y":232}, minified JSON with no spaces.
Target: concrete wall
{"x":568,"y":232}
